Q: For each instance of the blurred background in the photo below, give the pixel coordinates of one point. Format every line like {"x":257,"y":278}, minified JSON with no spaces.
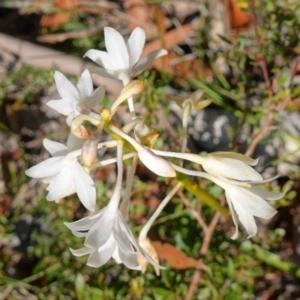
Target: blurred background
{"x":244,"y":55}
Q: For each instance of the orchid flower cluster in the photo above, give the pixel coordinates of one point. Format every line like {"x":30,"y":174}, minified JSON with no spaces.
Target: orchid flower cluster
{"x":70,"y":167}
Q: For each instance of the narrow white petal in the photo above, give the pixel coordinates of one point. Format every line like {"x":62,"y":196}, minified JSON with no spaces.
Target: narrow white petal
{"x":55,"y":148}
{"x":266,"y":194}
{"x":85,"y":223}
{"x":79,"y":234}
{"x":116,"y":49}
{"x":234,"y":217}
{"x":62,"y":106}
{"x":47,"y":168}
{"x":85,"y":85}
{"x":101,"y":58}
{"x":246,"y":159}
{"x":135,"y":45}
{"x":230,"y":168}
{"x":107,"y":73}
{"x":246,"y":219}
{"x":97,"y":259}
{"x":84,"y":185}
{"x":156,"y":164}
{"x":61,"y":185}
{"x":96,"y":97}
{"x":74,"y":143}
{"x":65,"y":88}
{"x":80,"y":252}
{"x":101,"y":231}
{"x":71,"y":116}
{"x":146,"y":61}
{"x":129,"y":259}
{"x":252,"y":203}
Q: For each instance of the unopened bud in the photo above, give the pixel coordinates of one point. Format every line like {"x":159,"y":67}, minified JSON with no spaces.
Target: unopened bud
{"x":132,"y":88}
{"x":89,"y":152}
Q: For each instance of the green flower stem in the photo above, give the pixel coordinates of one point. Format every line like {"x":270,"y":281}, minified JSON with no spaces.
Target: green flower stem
{"x":193,"y":188}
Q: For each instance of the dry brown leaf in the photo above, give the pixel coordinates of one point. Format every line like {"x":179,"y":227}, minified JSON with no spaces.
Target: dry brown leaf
{"x":238,"y":18}
{"x":54,"y":19}
{"x":66,"y":4}
{"x":175,"y":257}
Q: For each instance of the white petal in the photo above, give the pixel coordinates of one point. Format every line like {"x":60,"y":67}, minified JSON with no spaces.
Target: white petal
{"x":96,"y":97}
{"x":116,"y":49}
{"x":79,"y":234}
{"x":101,"y":231}
{"x":146,"y":61}
{"x":107,"y":73}
{"x":65,"y":88}
{"x":266,"y":194}
{"x":61,"y":185}
{"x":156,"y":164}
{"x":246,"y":159}
{"x":252,"y":203}
{"x":55,"y":148}
{"x":135,"y":45}
{"x":129,"y":259}
{"x":49,"y":167}
{"x":62,"y":106}
{"x":84,"y":185}
{"x":234,"y":217}
{"x":101,"y":58}
{"x":71,"y":116}
{"x":80,"y":252}
{"x":85,"y":223}
{"x":85,"y":85}
{"x":246,"y":219}
{"x":74,"y":143}
{"x":230,"y":168}
{"x":97,"y":260}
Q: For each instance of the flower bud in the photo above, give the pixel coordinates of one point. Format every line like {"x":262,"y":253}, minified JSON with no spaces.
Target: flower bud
{"x":89,"y":152}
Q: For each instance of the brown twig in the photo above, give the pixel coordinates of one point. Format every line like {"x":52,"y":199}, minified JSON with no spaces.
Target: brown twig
{"x":60,"y":37}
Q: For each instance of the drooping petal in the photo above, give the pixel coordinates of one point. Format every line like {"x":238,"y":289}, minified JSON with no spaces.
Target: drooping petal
{"x":65,"y":88}
{"x":47,"y":168}
{"x":97,"y":259}
{"x":135,"y":45}
{"x":234,"y":217}
{"x":85,"y":223}
{"x":84,"y":185}
{"x":61,"y":185}
{"x":62,"y":106}
{"x":55,"y":148}
{"x":85,"y":85}
{"x":104,"y":226}
{"x":129,"y":259}
{"x":146,"y":61}
{"x":71,"y":116}
{"x":116,"y":48}
{"x":252,"y":203}
{"x":79,"y":234}
{"x":266,"y":194}
{"x":246,"y":219}
{"x":80,"y":252}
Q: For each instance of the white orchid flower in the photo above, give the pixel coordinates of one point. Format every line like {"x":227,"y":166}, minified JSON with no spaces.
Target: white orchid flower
{"x":121,"y":60}
{"x":107,"y":234}
{"x":75,"y":99}
{"x":65,"y":175}
{"x":226,"y":165}
{"x":245,"y":201}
